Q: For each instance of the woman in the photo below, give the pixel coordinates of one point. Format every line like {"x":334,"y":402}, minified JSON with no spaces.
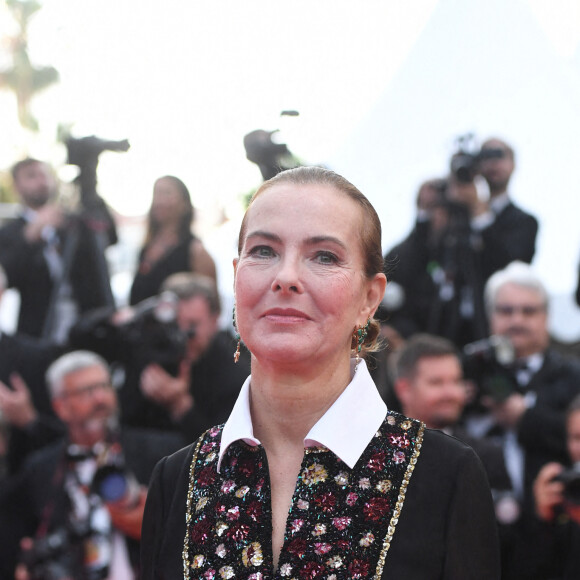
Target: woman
{"x":170,"y":246}
{"x":311,"y":477}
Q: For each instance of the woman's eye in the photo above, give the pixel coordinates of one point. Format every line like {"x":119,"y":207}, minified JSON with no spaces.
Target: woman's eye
{"x":326,"y":258}
{"x":262,"y":251}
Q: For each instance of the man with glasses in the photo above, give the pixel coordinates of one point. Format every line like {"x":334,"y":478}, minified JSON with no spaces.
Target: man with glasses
{"x":524,"y":389}
{"x":528,"y":412}
{"x":76,"y":506}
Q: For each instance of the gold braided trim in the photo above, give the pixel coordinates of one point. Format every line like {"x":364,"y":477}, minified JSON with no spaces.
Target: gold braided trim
{"x":399,"y":505}
{"x":188,"y":511}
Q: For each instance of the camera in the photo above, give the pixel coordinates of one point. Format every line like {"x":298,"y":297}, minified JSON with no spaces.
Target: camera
{"x":465,"y":162}
{"x":112,"y":482}
{"x":58,"y":555}
{"x":487,"y":362}
{"x":84,"y":152}
{"x":153,"y":332}
{"x":571,"y":480}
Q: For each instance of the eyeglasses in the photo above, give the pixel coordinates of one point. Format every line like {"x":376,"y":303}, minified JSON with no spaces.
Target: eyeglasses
{"x":526,"y":310}
{"x":87,"y":391}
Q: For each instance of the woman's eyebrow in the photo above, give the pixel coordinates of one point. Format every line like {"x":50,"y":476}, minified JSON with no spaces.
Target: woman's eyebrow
{"x":264,"y":234}
{"x":309,"y":241}
{"x":321,"y":239}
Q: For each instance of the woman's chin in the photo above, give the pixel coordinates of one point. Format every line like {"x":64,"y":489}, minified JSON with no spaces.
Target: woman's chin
{"x":281,"y":351}
{"x":289,"y":352}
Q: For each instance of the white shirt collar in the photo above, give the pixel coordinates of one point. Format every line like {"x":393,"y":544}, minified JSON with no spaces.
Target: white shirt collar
{"x":28,"y":214}
{"x":346,"y":428}
{"x":499,"y":202}
{"x":535,"y":361}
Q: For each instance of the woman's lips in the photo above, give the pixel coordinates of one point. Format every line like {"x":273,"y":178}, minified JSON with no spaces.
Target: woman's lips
{"x":286,"y":315}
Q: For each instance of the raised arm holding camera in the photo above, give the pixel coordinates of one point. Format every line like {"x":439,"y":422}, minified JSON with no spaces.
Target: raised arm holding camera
{"x":550,"y":543}
{"x":55,"y":259}
{"x":458,"y":242}
{"x":178,"y":365}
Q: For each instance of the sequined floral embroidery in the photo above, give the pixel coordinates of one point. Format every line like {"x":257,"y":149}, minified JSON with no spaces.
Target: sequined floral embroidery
{"x":340,"y":524}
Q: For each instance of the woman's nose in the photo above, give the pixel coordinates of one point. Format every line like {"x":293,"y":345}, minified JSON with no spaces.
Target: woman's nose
{"x":288,"y":276}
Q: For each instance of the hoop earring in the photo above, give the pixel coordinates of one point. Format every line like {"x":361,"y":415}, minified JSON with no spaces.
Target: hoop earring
{"x":238,"y":337}
{"x":360,"y":335}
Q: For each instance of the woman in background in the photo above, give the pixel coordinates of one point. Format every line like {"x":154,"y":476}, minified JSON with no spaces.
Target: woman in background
{"x":170,"y":246}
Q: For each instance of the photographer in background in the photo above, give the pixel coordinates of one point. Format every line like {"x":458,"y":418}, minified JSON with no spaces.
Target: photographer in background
{"x":458,"y":242}
{"x":75,"y":509}
{"x":527,"y":402}
{"x":26,"y":416}
{"x":429,"y":385}
{"x":510,"y":229}
{"x":179,"y":369}
{"x":438,"y":267}
{"x":51,"y":257}
{"x":550,"y":546}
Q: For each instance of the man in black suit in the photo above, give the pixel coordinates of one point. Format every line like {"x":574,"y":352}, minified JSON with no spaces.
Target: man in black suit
{"x":509,"y":230}
{"x":458,"y":242}
{"x":526,"y":400}
{"x":199,"y":386}
{"x":49,"y":257}
{"x":87,"y":490}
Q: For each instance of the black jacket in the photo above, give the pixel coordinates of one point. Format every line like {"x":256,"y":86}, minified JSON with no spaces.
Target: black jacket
{"x":446,"y":529}
{"x":27,"y":270}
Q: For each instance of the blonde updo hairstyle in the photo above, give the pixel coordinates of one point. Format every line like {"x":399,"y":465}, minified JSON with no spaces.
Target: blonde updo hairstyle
{"x":370,"y":228}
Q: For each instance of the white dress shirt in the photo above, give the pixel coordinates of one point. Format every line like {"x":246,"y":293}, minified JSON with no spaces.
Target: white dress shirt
{"x":346,"y":428}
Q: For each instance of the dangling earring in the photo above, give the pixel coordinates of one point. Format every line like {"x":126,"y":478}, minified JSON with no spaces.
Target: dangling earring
{"x":238,"y":338}
{"x":360,"y":335}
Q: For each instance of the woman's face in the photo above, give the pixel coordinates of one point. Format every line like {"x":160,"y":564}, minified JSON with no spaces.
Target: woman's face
{"x":300,"y":284}
{"x":168,"y":204}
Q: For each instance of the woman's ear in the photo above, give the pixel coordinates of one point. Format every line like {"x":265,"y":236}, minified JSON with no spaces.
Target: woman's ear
{"x":375,"y":292}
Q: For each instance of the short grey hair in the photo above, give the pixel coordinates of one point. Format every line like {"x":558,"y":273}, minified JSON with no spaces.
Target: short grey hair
{"x":3,"y":279}
{"x":69,"y":363}
{"x":519,"y":274}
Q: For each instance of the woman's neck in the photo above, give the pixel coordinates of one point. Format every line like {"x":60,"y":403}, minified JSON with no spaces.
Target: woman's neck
{"x":286,"y":405}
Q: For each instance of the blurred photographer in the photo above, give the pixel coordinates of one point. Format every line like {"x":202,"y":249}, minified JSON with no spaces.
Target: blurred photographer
{"x":27,"y":420}
{"x":550,"y":546}
{"x":507,"y":228}
{"x":52,"y":257}
{"x":179,"y":369}
{"x":458,"y":242}
{"x":526,"y":400}
{"x":437,"y":268}
{"x":76,"y":507}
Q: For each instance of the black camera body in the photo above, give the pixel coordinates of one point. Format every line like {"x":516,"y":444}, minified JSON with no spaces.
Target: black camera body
{"x":154,"y":335}
{"x":487,"y":363}
{"x":465,"y":162}
{"x":571,"y":480}
{"x":58,"y":555}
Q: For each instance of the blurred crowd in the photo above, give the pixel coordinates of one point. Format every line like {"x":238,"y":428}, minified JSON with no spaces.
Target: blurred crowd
{"x":92,"y":395}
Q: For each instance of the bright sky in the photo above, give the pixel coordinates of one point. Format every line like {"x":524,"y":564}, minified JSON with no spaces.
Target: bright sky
{"x":185,"y":81}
